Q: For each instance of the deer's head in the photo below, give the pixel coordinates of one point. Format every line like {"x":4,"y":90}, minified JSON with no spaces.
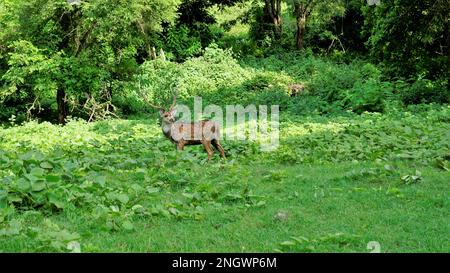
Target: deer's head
{"x":168,"y":116}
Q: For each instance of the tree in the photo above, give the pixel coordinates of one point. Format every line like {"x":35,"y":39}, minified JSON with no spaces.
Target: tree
{"x":303,"y":9}
{"x":266,"y":22}
{"x":272,"y":13}
{"x":192,"y":30}
{"x":192,"y":12}
{"x":75,"y":50}
{"x":410,"y":37}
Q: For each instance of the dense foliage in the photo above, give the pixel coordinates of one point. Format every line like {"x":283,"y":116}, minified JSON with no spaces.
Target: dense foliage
{"x":59,"y":58}
{"x":364,"y":117}
{"x":74,"y":53}
{"x":411,"y":38}
{"x":116,"y":176}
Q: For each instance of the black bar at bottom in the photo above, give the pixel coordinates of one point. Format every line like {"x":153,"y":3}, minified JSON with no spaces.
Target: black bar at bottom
{"x":218,"y":262}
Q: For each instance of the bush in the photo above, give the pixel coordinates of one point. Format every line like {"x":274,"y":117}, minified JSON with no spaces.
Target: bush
{"x":266,"y":80}
{"x":129,"y":101}
{"x":180,"y":44}
{"x":425,"y":91}
{"x":329,"y":87}
{"x":216,"y":75}
{"x":11,"y":114}
{"x":368,"y":96}
{"x":307,"y":105}
{"x":272,"y":96}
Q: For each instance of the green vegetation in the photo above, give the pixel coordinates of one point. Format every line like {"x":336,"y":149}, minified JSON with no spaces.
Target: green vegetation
{"x":120,"y":186}
{"x":364,"y":150}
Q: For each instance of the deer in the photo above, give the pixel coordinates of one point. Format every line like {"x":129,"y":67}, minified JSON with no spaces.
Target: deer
{"x":296,"y":89}
{"x":204,"y":132}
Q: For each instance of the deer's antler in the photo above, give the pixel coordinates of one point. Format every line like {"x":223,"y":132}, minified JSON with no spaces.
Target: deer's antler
{"x":147,"y":101}
{"x":174,"y":103}
{"x":154,"y":106}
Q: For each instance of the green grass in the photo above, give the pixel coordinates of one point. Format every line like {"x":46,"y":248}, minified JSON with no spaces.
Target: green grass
{"x":332,"y":186}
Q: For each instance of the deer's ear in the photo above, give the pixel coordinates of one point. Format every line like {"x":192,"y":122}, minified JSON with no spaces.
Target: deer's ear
{"x":174,"y":112}
{"x":161,"y":112}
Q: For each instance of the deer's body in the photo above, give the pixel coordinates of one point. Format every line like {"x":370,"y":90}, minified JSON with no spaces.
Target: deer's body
{"x":204,"y":132}
{"x":296,"y":89}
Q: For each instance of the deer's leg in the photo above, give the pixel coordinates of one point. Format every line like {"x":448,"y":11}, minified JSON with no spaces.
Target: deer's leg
{"x":181,"y":144}
{"x":209,"y":150}
{"x":216,"y":144}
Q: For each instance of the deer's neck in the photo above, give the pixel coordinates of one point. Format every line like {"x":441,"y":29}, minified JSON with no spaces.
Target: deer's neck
{"x":167,"y":128}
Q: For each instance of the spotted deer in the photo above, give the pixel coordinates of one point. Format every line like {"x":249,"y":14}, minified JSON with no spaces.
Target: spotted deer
{"x":204,"y":132}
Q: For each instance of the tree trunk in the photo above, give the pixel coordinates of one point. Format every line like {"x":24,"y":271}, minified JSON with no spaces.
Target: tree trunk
{"x":302,"y":11}
{"x":153,"y":53}
{"x":62,"y":106}
{"x":272,"y":9}
{"x":277,"y":19}
{"x":277,"y":26}
{"x":301,"y":27}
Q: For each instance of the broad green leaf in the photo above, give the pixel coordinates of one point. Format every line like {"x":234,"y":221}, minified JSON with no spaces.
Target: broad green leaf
{"x":56,"y":201}
{"x":46,"y":165}
{"x":38,"y":186}
{"x":152,"y":190}
{"x":101,"y":180}
{"x":14,"y":198}
{"x":23,"y":184}
{"x":37,"y":172}
{"x":127,"y":225}
{"x":122,"y":197}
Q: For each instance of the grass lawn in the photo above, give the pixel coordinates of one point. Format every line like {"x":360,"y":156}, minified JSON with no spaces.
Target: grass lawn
{"x":332,"y":186}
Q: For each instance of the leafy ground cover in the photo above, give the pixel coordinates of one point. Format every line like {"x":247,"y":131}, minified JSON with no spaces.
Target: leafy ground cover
{"x":334,"y":184}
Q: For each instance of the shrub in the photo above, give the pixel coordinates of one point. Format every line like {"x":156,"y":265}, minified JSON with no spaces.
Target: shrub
{"x":368,"y":96}
{"x":425,"y":91}
{"x":215,"y":75}
{"x":180,"y":43}
{"x":306,"y":105}
{"x":220,"y":79}
{"x":331,"y":81}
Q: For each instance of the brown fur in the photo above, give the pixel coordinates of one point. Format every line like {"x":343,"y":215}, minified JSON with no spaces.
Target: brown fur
{"x":296,"y":89}
{"x":203,"y":132}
